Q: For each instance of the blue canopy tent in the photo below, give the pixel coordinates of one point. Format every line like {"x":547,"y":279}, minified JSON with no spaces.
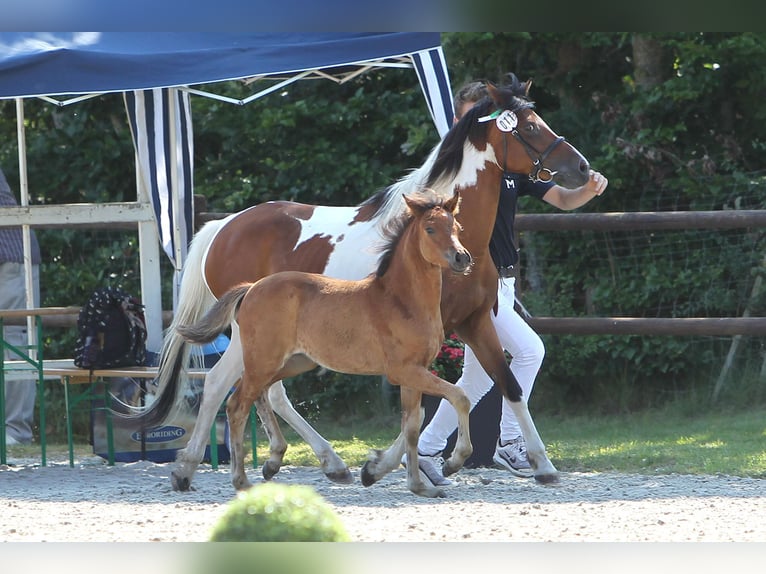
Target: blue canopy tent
{"x":158,"y":73}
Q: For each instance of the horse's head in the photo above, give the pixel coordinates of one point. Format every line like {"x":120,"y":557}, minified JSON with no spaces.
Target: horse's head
{"x":438,"y":231}
{"x":521,"y":140}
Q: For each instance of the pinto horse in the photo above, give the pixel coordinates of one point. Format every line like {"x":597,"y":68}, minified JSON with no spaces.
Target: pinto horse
{"x":501,"y":133}
{"x":386,"y":324}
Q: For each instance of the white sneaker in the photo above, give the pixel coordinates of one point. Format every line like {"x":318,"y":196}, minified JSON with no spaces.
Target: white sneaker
{"x":513,"y":457}
{"x":431,"y":467}
{"x":10,"y":441}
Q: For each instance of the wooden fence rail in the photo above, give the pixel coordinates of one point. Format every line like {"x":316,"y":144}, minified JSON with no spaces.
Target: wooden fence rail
{"x":703,"y":326}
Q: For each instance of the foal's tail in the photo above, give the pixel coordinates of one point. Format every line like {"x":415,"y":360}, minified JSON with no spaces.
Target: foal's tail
{"x":194,"y":298}
{"x":217,"y":319}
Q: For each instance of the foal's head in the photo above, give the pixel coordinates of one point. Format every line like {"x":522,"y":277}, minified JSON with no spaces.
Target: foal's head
{"x":433,"y":220}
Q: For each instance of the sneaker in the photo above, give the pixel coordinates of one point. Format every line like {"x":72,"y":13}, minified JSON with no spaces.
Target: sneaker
{"x":431,"y":466}
{"x":10,"y":441}
{"x":513,"y":456}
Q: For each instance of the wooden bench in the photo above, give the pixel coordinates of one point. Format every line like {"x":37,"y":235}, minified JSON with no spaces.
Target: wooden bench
{"x":71,"y":375}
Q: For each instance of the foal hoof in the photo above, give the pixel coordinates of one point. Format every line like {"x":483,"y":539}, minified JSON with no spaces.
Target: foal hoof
{"x":341,"y":477}
{"x":367,"y":477}
{"x":551,"y":478}
{"x":269,"y":469}
{"x":181,"y":483}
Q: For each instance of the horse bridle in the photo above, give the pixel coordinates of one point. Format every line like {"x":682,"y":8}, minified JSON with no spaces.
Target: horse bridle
{"x":537,"y":163}
{"x":538,"y":159}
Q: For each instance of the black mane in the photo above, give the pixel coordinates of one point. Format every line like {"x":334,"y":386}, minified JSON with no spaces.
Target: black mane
{"x":511,"y":96}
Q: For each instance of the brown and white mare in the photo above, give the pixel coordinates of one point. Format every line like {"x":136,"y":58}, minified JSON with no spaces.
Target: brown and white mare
{"x":386,"y":324}
{"x":501,"y":133}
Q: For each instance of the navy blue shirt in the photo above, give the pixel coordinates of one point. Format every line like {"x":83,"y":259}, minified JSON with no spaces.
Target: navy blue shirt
{"x":513,"y":185}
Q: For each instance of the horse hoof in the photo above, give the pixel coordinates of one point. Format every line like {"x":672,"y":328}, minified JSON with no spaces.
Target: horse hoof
{"x":342,"y":477}
{"x":551,"y":478}
{"x":367,"y":477}
{"x":448,"y":469}
{"x":179,"y":482}
{"x":269,"y":470}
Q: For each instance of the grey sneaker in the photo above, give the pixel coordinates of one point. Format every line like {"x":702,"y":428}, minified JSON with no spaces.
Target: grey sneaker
{"x":431,"y":466}
{"x":513,"y":456}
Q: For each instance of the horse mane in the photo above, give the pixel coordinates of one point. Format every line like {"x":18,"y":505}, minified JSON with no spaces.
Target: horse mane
{"x":394,"y":229}
{"x":511,"y":96}
{"x":387,"y":204}
{"x":445,"y":159}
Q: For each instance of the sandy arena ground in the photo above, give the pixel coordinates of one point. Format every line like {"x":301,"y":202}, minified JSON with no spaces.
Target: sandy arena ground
{"x":134,"y":502}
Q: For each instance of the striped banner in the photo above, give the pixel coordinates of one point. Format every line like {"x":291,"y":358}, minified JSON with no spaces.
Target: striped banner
{"x":431,"y":68}
{"x":161,"y":148}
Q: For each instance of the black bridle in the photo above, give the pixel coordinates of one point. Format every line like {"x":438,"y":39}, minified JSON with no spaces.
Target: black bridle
{"x":539,"y":171}
{"x":538,"y":167}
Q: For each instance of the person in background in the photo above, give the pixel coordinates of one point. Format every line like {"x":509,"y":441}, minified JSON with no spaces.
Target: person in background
{"x":19,"y":395}
{"x":516,"y":336}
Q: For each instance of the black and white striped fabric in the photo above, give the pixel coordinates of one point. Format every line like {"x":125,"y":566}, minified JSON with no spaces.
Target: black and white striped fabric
{"x":431,"y":68}
{"x":159,"y":155}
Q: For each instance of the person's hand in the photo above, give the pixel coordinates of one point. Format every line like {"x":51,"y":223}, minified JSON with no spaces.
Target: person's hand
{"x":596,"y":183}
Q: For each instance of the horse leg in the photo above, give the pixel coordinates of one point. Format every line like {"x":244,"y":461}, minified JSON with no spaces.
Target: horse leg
{"x":462,"y":405}
{"x":237,"y":410}
{"x":277,"y":442}
{"x":332,"y":465}
{"x":483,"y":340}
{"x":411,"y":419}
{"x":381,"y":463}
{"x":426,"y":382}
{"x":217,"y":383}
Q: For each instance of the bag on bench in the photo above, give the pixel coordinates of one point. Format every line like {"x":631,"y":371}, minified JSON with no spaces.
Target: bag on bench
{"x":111,"y":331}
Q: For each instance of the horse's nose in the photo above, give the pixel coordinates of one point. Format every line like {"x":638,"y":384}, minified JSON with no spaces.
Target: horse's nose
{"x":584,"y":166}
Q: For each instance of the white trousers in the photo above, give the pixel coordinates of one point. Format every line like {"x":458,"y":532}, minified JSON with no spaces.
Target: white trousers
{"x":527,"y":352}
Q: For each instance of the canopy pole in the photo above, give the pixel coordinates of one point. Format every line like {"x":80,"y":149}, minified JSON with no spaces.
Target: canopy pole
{"x":29,"y":284}
{"x":178,"y":238}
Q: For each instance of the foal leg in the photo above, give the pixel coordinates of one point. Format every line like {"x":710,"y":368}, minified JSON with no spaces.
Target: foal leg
{"x":237,"y":410}
{"x":381,"y":463}
{"x":277,"y":442}
{"x":332,"y":465}
{"x":426,"y":382}
{"x":411,"y":420}
{"x":217,"y":383}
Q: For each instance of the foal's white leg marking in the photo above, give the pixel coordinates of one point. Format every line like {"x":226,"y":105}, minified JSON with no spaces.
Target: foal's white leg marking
{"x":332,"y":465}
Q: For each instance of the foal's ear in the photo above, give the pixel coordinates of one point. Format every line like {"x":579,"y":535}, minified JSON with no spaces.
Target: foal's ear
{"x":453,"y":204}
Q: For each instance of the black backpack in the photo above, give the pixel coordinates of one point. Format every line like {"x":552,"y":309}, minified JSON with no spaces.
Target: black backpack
{"x":111,"y":331}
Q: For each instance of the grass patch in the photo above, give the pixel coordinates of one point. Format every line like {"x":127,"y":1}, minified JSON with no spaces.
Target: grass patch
{"x":661,"y":442}
{"x":650,"y":442}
